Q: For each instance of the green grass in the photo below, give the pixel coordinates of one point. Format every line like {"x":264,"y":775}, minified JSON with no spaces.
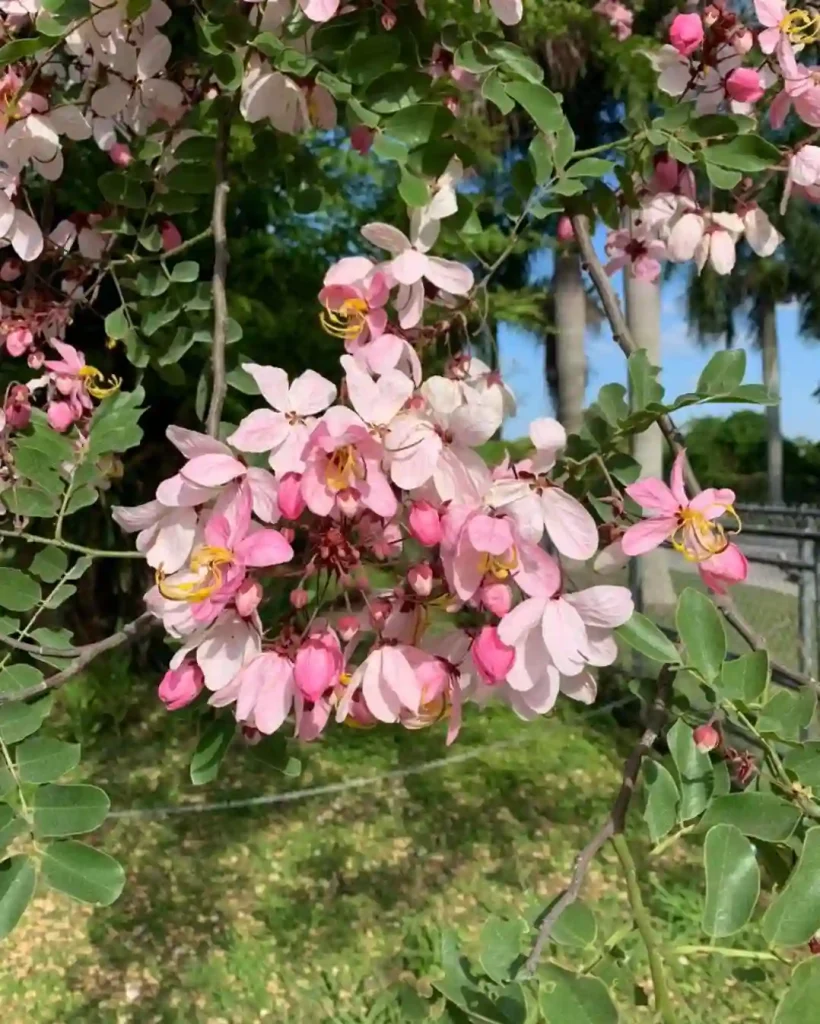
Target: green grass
{"x":304,"y":912}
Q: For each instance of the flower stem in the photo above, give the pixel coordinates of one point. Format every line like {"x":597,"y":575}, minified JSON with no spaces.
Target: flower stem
{"x":55,"y":542}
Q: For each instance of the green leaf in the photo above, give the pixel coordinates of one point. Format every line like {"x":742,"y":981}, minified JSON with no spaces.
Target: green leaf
{"x":541,"y":159}
{"x":805,"y":764}
{"x":32,"y":502}
{"x":564,"y":145}
{"x":643,"y":383}
{"x":152,"y":281}
{"x":759,"y":815}
{"x":800,"y":1002}
{"x":788,"y":713}
{"x":19,"y":48}
{"x":695,"y":776}
{"x":500,"y":945}
{"x":576,"y":926}
{"x":456,"y":984}
{"x":794,"y":916}
{"x":722,"y":373}
{"x":242,"y":381}
{"x":14,"y":678}
{"x":122,"y":191}
{"x":37,"y":467}
{"x":539,"y":102}
{"x":747,"y":153}
{"x":386,"y":148}
{"x":642,"y":634}
{"x":42,"y":759}
{"x":700,"y":626}
{"x":17,"y":879}
{"x":18,"y":591}
{"x":228,"y":70}
{"x":20,"y":720}
{"x":49,"y":564}
{"x":745,"y":678}
{"x":371,"y":57}
{"x":721,"y":177}
{"x":492,"y":89}
{"x":69,"y":810}
{"x":116,"y":324}
{"x":307,"y":200}
{"x":590,"y":167}
{"x":568,"y":998}
{"x":185,"y":272}
{"x":211,"y":748}
{"x":191,"y":178}
{"x":413,"y":190}
{"x":81,"y":498}
{"x":85,"y":874}
{"x":419,"y":123}
{"x":7,"y":783}
{"x":134,"y":8}
{"x":732,"y":881}
{"x":11,"y":825}
{"x":662,"y":798}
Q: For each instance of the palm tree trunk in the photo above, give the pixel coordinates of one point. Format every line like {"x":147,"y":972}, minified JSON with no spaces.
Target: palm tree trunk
{"x":570,"y":326}
{"x":771,"y":378}
{"x":643,"y":313}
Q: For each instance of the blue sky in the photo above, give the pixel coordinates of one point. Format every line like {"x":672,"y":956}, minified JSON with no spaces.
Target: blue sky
{"x":521,"y":359}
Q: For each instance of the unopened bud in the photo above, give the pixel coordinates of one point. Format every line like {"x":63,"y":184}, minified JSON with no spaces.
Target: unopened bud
{"x":170,"y":235}
{"x":420,"y":578}
{"x":251,"y":736}
{"x":299,"y":597}
{"x":289,"y":496}
{"x":496,"y":598}
{"x":379,"y":610}
{"x":389,"y":21}
{"x":248,"y":597}
{"x":425,"y":523}
{"x":347,"y":627}
{"x":120,"y":154}
{"x":565,"y":231}
{"x":706,"y":738}
{"x":814,"y":944}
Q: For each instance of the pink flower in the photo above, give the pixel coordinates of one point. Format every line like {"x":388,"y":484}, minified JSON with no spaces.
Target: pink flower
{"x":264,"y":692}
{"x":60,"y":416}
{"x":689,"y":525}
{"x":771,"y":14}
{"x":491,"y":656}
{"x":384,"y":540}
{"x":636,"y":249}
{"x":289,"y":495}
{"x":319,"y":10}
{"x":222,"y":649}
{"x":181,"y":686}
{"x":361,"y":138}
{"x":744,"y":85}
{"x":319,"y":663}
{"x":342,"y":457}
{"x":120,"y":154}
{"x":508,"y":12}
{"x":377,"y":402}
{"x":537,"y":505}
{"x":164,"y":535}
{"x":496,"y":598}
{"x":420,"y":577}
{"x":170,"y":235}
{"x":411,"y":265}
{"x":18,"y":340}
{"x":424,"y":522}
{"x":671,"y":176}
{"x":477,"y":547}
{"x":284,"y":429}
{"x":389,"y":680}
{"x":354,"y":294}
{"x":697,"y":237}
{"x":619,"y":17}
{"x":70,"y":377}
{"x":18,"y":407}
{"x":724,"y":568}
{"x":686,"y":33}
{"x":801,"y":87}
{"x":248,"y":597}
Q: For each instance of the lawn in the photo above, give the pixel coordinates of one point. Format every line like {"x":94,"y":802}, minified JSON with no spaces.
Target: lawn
{"x":303,"y":912}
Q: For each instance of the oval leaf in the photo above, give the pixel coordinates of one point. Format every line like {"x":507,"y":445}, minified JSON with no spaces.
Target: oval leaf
{"x":85,"y":874}
{"x":500,"y":947}
{"x":211,"y":748}
{"x":732,"y":881}
{"x":42,"y":759}
{"x":760,"y":815}
{"x":18,"y":591}
{"x":11,"y":825}
{"x":567,"y":998}
{"x":642,"y":634}
{"x":800,"y":1002}
{"x":701,"y":628}
{"x":662,"y":800}
{"x":69,"y":810}
{"x":795,"y":915}
{"x":695,"y":776}
{"x":17,"y":878}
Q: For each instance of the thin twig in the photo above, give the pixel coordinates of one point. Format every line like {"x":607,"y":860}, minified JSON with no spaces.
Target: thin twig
{"x":644,"y":924}
{"x":189,"y":243}
{"x":219,"y":384}
{"x":614,"y":823}
{"x":67,"y":545}
{"x":84,"y":656}
{"x":627,"y":344}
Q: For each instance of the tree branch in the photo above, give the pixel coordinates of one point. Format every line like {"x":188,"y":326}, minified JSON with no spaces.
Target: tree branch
{"x":189,"y":243}
{"x":219,"y":384}
{"x":625,"y":341}
{"x":614,"y":823}
{"x":67,"y":545}
{"x":84,"y":656}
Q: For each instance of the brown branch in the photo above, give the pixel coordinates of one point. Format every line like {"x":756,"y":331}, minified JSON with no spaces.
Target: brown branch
{"x":614,"y":823}
{"x":84,"y":656}
{"x":189,"y":243}
{"x":219,"y":383}
{"x":627,"y":344}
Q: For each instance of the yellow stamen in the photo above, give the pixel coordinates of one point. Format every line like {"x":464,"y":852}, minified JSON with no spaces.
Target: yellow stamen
{"x":801,"y":26}
{"x":698,"y":538}
{"x":428,"y":714}
{"x":209,"y":558}
{"x":89,"y":374}
{"x":343,"y":468}
{"x":499,"y":566}
{"x":347,"y":321}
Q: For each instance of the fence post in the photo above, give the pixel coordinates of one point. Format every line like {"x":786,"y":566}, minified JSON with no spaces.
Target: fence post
{"x":807,"y":597}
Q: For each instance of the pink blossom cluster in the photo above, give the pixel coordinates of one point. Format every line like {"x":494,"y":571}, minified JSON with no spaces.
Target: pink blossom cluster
{"x":619,"y":16}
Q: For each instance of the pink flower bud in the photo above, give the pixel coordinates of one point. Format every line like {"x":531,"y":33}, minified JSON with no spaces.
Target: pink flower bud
{"x":389,"y":21}
{"x":814,"y":944}
{"x":420,"y":578}
{"x":452,"y":104}
{"x":361,"y":138}
{"x":743,"y":85}
{"x":171,"y":236}
{"x":743,"y":41}
{"x":36,"y":359}
{"x":120,"y":154}
{"x":348,"y":626}
{"x":686,"y":33}
{"x":425,"y":523}
{"x":60,"y":416}
{"x":706,"y":738}
{"x":491,"y":657}
{"x":10,"y":270}
{"x":18,"y":340}
{"x":248,"y":597}
{"x":291,"y":502}
{"x":251,"y":736}
{"x":379,"y":610}
{"x":181,"y":685}
{"x":496,"y":598}
{"x":299,"y":597}
{"x":318,"y":664}
{"x":18,"y":407}
{"x":565,"y":231}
